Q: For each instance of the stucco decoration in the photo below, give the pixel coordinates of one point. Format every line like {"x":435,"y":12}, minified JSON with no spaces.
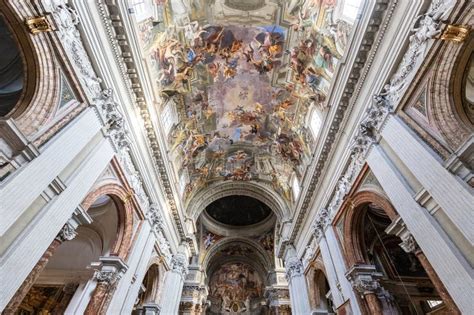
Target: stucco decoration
{"x":383,"y":104}
{"x":108,"y":110}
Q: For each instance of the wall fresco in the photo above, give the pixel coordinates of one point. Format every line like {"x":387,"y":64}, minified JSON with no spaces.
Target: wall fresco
{"x":235,"y":288}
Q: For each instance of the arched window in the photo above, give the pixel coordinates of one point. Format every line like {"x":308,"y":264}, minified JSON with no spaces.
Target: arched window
{"x":295,"y":185}
{"x":315,"y":123}
{"x":11,"y":70}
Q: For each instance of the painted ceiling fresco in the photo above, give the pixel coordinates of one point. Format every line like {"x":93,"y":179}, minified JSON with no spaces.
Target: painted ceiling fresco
{"x":235,"y":288}
{"x":237,"y":94}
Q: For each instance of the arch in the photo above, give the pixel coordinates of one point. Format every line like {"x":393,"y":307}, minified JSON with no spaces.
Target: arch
{"x":266,"y":262}
{"x":445,"y":104}
{"x":353,"y":208}
{"x":198,"y":202}
{"x":41,"y":87}
{"x":151,"y":281}
{"x":122,"y":200}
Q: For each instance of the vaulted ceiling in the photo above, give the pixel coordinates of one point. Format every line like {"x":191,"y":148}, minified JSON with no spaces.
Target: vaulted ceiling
{"x":238,"y":80}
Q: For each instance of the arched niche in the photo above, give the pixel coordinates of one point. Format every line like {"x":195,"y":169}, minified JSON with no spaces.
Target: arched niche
{"x":33,"y":101}
{"x":150,"y":288}
{"x":406,"y":286}
{"x":236,"y":272}
{"x":451,"y":111}
{"x":62,"y":284}
{"x":11,"y":70}
{"x":318,"y":287}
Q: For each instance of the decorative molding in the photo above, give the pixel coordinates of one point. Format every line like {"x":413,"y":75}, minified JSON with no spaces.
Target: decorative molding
{"x":38,"y":25}
{"x":108,"y":277}
{"x":126,"y":62}
{"x":384,"y":103}
{"x":67,"y":233}
{"x":155,"y":217}
{"x":364,"y":279}
{"x":107,"y":109}
{"x":399,"y":229}
{"x":113,"y":119}
{"x":294,"y":268}
{"x":111,"y":270}
{"x":179,"y":264}
{"x":320,"y":223}
{"x":429,"y":26}
{"x":371,"y":41}
{"x":456,"y":33}
{"x":409,"y":244}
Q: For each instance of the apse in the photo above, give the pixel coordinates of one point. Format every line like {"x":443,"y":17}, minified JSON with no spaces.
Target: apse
{"x":237,"y":253}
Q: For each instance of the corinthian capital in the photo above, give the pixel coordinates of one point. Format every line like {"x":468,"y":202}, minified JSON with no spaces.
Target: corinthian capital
{"x":67,"y":233}
{"x":294,"y":268}
{"x":179,"y":264}
{"x":364,"y":279}
{"x":365,"y":285}
{"x":108,"y":277}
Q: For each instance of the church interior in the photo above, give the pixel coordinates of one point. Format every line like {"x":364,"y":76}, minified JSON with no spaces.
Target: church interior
{"x":254,"y":157}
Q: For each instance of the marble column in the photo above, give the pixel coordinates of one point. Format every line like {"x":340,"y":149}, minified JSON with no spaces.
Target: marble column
{"x":335,"y":251}
{"x":449,"y":264}
{"x":299,"y":296}
{"x":332,"y":277}
{"x":67,"y":233}
{"x":453,"y":196}
{"x":409,"y":245}
{"x":173,"y":284}
{"x":364,"y":280}
{"x":110,"y":272}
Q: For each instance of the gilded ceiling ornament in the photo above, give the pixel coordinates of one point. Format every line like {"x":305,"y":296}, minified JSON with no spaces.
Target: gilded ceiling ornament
{"x":38,"y":24}
{"x":456,"y":33}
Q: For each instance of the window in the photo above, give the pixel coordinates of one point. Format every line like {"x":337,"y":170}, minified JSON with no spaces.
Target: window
{"x":315,"y":123}
{"x":183,"y":180}
{"x":434,"y":303}
{"x":295,"y":185}
{"x":350,"y":9}
{"x":168,"y":117}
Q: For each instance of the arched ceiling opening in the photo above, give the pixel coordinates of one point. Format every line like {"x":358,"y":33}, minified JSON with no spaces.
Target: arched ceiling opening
{"x":238,"y":211}
{"x":234,"y":81}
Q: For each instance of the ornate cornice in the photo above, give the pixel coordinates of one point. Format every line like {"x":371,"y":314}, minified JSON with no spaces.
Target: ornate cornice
{"x":107,"y":109}
{"x":125,"y":60}
{"x":384,"y":103}
{"x":363,"y":61}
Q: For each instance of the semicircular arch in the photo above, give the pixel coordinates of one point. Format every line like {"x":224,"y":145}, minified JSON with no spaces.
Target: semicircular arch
{"x":199,"y":201}
{"x":264,"y":261}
